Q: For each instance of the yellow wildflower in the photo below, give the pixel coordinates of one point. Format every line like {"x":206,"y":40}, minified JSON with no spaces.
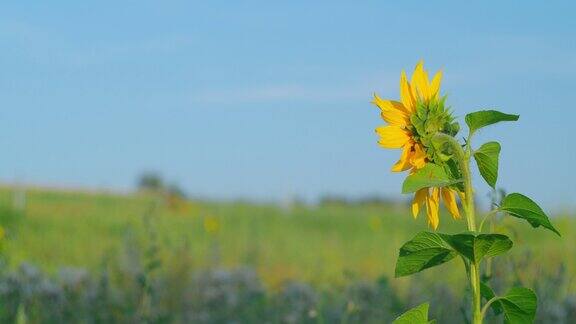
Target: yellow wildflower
{"x":375,"y":223}
{"x":211,"y":225}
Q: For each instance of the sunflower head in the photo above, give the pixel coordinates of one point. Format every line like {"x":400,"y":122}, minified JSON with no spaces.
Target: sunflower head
{"x":430,"y":118}
{"x":413,"y":121}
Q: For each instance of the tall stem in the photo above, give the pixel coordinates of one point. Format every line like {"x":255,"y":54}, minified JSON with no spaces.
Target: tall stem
{"x":463,"y":159}
{"x":471,"y":221}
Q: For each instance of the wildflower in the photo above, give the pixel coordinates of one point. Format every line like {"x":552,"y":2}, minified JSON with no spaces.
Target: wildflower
{"x":211,"y":225}
{"x":375,"y":223}
{"x":412,"y":122}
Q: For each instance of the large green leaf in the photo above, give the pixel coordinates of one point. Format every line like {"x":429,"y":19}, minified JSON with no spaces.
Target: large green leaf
{"x":487,"y":293}
{"x":431,"y":175}
{"x":479,"y":119}
{"x":487,"y":159}
{"x":519,"y":305}
{"x":523,"y":207}
{"x":490,"y":245}
{"x":417,"y":315}
{"x":474,"y":248}
{"x":427,"y":250}
{"x":424,"y":251}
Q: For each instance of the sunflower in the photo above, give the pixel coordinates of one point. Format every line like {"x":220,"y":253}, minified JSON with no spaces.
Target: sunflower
{"x":412,"y":121}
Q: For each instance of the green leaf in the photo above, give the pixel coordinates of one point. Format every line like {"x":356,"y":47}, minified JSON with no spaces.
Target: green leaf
{"x":479,"y":119}
{"x":523,"y":207}
{"x":424,"y":251}
{"x":487,"y":159}
{"x":454,"y":173}
{"x":474,"y":248}
{"x":519,"y":305}
{"x":427,"y":250}
{"x":431,"y":175}
{"x":488,"y":294}
{"x":490,"y":245}
{"x":417,"y":315}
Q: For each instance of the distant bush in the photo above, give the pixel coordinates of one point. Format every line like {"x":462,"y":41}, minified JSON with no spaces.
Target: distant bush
{"x":366,"y":200}
{"x":154,"y":183}
{"x":10,"y":218}
{"x":150,"y":181}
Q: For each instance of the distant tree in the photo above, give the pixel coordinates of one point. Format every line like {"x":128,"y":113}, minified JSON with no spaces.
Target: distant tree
{"x":150,"y":181}
{"x":176,"y":191}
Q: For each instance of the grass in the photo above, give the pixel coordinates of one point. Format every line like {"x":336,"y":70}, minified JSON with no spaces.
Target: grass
{"x":324,"y":245}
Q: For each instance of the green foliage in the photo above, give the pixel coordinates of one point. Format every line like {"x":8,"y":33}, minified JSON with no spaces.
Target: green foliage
{"x":431,"y":118}
{"x":443,"y":150}
{"x":487,"y":293}
{"x":487,"y":159}
{"x":95,"y":226}
{"x":428,"y":250}
{"x":454,"y":172}
{"x":417,"y":315}
{"x":479,"y":119}
{"x":150,"y":181}
{"x":475,"y":248}
{"x":10,"y":218}
{"x":424,"y":251}
{"x":431,"y":175}
{"x":523,"y":207}
{"x":518,"y":305}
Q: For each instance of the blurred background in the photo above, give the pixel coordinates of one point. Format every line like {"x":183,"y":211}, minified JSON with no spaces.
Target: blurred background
{"x":216,"y":162}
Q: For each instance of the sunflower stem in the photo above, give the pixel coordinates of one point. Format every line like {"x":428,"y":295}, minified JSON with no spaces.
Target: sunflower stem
{"x":471,"y":220}
{"x":462,"y":157}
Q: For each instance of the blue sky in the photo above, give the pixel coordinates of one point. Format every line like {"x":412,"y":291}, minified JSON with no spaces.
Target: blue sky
{"x":265,"y":100}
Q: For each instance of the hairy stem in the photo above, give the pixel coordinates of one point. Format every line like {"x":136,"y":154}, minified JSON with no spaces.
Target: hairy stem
{"x":462,"y":157}
{"x":471,"y":220}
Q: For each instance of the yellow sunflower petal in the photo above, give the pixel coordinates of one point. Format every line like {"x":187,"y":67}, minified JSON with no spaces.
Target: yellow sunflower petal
{"x":404,"y":163}
{"x":418,"y":158}
{"x":392,"y":112}
{"x":406,"y":95}
{"x":395,"y":117}
{"x":392,"y":136}
{"x":420,"y":84}
{"x":385,"y":104}
{"x":432,"y":206}
{"x":419,"y":200}
{"x":435,"y":85}
{"x":449,"y":198}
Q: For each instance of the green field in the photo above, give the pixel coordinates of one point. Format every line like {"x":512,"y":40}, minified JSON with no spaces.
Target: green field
{"x":323,"y":245}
